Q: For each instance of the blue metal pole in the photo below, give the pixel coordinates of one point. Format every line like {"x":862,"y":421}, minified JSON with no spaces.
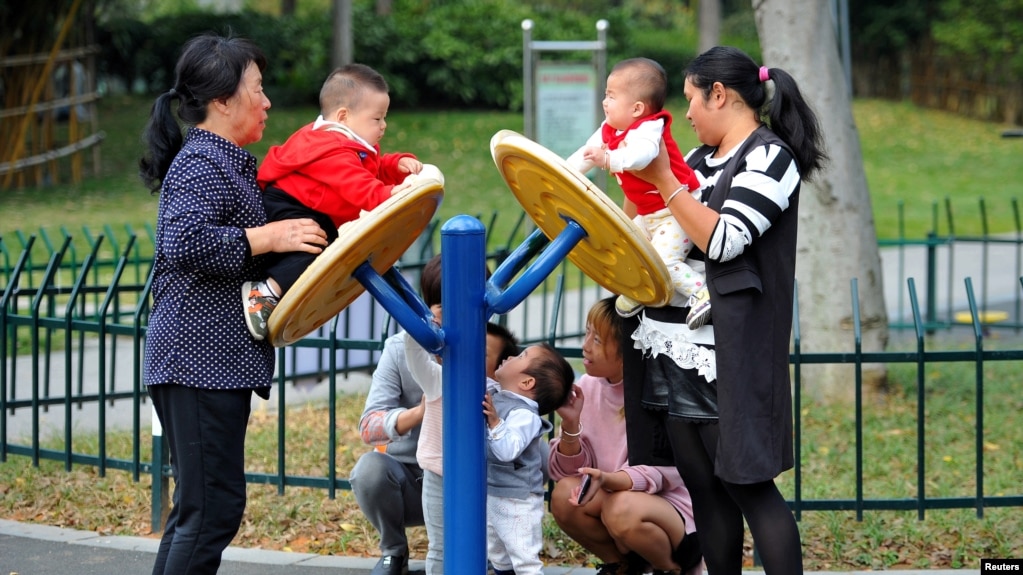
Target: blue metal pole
{"x":463,"y":244}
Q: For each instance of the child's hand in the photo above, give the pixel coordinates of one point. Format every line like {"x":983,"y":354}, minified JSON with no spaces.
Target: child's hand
{"x":398,"y":188}
{"x":596,"y":156}
{"x":409,"y":165}
{"x":488,"y":410}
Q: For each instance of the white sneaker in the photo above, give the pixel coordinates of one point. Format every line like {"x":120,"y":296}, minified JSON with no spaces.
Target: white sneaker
{"x":627,"y":307}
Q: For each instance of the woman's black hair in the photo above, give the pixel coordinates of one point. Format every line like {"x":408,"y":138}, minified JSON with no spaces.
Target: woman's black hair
{"x":210,"y":68}
{"x":788,"y":114}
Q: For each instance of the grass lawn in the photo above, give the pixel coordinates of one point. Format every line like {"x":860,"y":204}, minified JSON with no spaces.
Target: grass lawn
{"x":306,"y":520}
{"x":917,"y":161}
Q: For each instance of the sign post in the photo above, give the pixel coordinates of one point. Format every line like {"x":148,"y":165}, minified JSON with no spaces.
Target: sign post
{"x":562,"y":100}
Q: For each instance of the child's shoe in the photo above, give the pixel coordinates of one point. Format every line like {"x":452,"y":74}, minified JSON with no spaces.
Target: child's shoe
{"x":627,"y":307}
{"x":258,"y":307}
{"x":699,"y":308}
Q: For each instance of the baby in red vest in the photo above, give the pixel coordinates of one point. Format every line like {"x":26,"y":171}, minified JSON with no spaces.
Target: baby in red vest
{"x":630,"y":138}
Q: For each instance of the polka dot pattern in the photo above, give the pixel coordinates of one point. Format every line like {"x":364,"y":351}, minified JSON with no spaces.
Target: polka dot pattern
{"x":196,"y":334}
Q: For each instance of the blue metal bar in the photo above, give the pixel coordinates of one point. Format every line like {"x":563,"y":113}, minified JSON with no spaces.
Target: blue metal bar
{"x":401,"y":301}
{"x":503,"y":301}
{"x":464,"y":357}
{"x":518,"y":258}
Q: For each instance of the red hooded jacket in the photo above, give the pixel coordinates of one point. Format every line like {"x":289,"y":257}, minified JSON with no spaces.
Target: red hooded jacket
{"x":331,"y":173}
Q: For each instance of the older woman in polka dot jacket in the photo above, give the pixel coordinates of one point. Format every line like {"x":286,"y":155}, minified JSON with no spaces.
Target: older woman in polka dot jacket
{"x":201,"y":367}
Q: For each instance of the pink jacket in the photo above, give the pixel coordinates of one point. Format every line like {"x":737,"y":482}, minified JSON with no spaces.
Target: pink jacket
{"x":604,"y":447}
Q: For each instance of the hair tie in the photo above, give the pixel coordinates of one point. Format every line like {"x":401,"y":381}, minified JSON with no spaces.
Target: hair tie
{"x":764,"y":74}
{"x":172,"y":93}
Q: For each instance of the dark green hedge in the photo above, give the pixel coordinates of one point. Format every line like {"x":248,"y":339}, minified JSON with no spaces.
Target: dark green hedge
{"x":437,"y":54}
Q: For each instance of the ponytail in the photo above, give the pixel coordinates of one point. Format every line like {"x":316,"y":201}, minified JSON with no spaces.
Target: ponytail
{"x":161,"y":140}
{"x":794,"y":121}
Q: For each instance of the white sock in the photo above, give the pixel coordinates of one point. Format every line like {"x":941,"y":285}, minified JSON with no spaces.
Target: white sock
{"x":266,"y":289}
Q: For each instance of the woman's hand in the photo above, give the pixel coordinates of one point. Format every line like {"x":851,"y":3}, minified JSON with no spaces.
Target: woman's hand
{"x":570,"y":411}
{"x":296,"y":235}
{"x":696,"y":219}
{"x":604,"y":481}
{"x":587,"y":489}
{"x":658,"y":172}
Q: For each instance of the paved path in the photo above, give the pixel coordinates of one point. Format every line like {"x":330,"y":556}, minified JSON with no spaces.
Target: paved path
{"x":39,"y":550}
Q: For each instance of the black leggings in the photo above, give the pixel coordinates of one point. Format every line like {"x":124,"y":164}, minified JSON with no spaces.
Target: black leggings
{"x":719,"y":507}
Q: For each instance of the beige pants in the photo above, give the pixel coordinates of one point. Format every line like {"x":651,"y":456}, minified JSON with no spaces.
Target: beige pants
{"x":673,"y":246}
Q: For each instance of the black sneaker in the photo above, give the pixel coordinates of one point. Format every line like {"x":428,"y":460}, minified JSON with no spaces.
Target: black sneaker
{"x":631,"y":564}
{"x":391,"y":565}
{"x":688,"y":554}
{"x":608,"y":568}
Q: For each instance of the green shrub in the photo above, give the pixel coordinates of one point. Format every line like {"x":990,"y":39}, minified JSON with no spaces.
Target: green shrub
{"x":440,"y":54}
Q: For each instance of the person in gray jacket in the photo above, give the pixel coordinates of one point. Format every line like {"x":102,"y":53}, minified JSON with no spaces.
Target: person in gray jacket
{"x":388,"y":481}
{"x":388,"y":484}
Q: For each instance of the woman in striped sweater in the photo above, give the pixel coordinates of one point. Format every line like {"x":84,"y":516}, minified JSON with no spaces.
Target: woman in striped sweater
{"x":716,"y":401}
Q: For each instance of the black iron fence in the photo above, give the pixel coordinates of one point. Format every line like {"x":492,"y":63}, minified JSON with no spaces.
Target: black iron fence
{"x":74,"y":314}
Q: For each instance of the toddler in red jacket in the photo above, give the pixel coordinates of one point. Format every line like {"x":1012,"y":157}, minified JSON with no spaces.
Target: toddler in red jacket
{"x":330,"y":170}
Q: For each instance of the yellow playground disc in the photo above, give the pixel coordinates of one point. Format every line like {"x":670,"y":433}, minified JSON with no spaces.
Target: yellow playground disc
{"x":614,"y":253}
{"x":379,"y":237}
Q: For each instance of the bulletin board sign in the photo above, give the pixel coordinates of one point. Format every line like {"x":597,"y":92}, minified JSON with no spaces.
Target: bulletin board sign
{"x":566,"y":105}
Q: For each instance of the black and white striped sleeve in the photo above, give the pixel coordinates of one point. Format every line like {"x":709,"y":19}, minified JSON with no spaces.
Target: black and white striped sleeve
{"x":759,"y":193}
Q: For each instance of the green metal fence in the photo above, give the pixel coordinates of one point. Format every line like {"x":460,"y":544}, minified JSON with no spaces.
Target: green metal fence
{"x":74,"y":313}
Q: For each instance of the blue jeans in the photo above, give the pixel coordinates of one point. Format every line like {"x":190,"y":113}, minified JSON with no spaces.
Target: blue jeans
{"x":433,"y":514}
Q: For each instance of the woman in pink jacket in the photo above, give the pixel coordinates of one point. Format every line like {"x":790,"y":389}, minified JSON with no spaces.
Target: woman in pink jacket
{"x":630,"y":517}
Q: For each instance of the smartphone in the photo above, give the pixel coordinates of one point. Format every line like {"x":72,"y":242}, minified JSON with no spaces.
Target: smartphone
{"x":584,"y":487}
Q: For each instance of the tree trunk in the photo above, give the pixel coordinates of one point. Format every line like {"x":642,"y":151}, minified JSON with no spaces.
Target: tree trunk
{"x":710,"y":24}
{"x":343,"y":49}
{"x":837,"y":240}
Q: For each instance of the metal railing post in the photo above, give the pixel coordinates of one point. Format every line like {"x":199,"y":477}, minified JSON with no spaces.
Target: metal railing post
{"x":932,"y":282}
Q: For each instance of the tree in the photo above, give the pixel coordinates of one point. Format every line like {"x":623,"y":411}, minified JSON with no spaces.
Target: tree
{"x":710,"y":24}
{"x":837,"y":240}
{"x":343,"y":49}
